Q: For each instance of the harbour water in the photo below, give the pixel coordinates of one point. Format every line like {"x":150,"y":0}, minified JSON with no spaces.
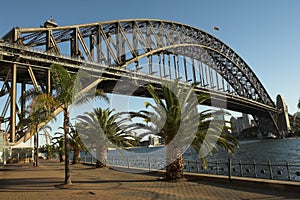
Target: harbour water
{"x":275,"y":150}
{"x":270,"y":159}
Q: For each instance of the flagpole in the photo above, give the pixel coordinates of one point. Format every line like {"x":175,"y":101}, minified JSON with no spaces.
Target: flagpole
{"x":216,"y":29}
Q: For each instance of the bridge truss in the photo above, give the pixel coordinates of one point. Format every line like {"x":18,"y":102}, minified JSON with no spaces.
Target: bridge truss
{"x":143,"y":50}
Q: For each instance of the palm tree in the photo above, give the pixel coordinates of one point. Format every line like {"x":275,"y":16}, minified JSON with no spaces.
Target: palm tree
{"x":213,"y":134}
{"x":102,"y":129}
{"x":39,"y":112}
{"x":76,"y":144}
{"x":64,"y":84}
{"x":58,"y":145}
{"x":48,"y":149}
{"x":176,"y":119}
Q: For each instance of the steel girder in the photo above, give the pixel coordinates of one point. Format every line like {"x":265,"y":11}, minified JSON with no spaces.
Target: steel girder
{"x":122,"y":42}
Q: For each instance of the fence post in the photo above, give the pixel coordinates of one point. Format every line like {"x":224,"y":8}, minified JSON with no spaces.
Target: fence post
{"x":241,"y":168}
{"x":149,"y":163}
{"x":229,"y":169}
{"x":288,"y":170}
{"x":270,"y":169}
{"x":217,"y":167}
{"x":197,"y":165}
{"x":128,"y":163}
{"x":254,"y":166}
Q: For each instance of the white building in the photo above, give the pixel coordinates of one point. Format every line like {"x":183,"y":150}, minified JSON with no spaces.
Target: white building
{"x":242,"y":123}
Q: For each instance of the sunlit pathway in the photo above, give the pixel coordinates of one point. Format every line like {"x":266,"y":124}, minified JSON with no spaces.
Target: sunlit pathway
{"x":27,"y":182}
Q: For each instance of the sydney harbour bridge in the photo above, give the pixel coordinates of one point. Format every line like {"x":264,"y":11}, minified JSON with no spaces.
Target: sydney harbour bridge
{"x":132,"y":53}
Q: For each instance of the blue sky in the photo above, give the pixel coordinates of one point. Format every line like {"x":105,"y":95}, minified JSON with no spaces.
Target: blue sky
{"x":264,"y":33}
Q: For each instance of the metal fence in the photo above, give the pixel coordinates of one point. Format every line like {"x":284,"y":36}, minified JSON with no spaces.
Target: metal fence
{"x":268,"y":170}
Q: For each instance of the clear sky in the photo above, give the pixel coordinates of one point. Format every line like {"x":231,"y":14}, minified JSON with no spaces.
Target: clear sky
{"x":265,"y":33}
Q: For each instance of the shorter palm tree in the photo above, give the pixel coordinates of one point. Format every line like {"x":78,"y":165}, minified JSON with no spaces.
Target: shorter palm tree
{"x":102,"y":129}
{"x":58,"y":145}
{"x":76,"y":144}
{"x":212,"y":135}
{"x":39,"y":113}
{"x":175,"y":118}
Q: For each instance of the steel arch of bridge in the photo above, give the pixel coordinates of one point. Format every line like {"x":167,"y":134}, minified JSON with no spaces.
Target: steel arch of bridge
{"x":125,"y":45}
{"x":122,"y":42}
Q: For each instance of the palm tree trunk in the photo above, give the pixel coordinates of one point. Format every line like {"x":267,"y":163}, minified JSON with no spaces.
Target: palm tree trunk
{"x":101,"y":156}
{"x":36,"y":145}
{"x":35,"y":151}
{"x":49,"y":151}
{"x":175,"y":163}
{"x":61,"y":156}
{"x":76,"y":156}
{"x":66,"y":136}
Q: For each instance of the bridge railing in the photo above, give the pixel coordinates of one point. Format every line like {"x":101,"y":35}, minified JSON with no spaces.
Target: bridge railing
{"x":41,"y":51}
{"x":268,"y":170}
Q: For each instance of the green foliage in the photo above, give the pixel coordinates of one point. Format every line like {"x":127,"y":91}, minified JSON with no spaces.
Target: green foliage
{"x":75,"y":140}
{"x":58,"y":142}
{"x":176,"y":116}
{"x":103,"y":127}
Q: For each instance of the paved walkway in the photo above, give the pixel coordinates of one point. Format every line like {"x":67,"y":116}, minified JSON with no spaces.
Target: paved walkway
{"x":27,"y":182}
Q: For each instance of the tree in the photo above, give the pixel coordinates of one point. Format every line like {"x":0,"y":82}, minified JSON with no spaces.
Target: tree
{"x":177,"y":120}
{"x":58,"y":145}
{"x":39,"y":112}
{"x":76,"y":144}
{"x":49,"y":150}
{"x":64,"y":84}
{"x":102,"y":129}
{"x":213,"y":134}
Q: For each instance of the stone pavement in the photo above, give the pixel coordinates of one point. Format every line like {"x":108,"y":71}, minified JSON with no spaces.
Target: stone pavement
{"x":23,"y":181}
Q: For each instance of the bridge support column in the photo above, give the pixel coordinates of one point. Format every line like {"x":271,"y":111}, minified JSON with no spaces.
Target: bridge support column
{"x":283,"y":122}
{"x":13,"y":96}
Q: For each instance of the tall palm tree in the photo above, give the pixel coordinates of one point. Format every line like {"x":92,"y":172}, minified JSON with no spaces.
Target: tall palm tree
{"x":102,"y":129}
{"x":64,"y":84}
{"x":177,"y":120}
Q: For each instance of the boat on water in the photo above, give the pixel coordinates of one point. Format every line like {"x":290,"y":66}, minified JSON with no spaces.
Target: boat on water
{"x":271,"y":136}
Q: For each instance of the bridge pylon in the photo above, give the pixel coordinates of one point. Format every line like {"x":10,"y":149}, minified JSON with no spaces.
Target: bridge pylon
{"x":283,"y":121}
